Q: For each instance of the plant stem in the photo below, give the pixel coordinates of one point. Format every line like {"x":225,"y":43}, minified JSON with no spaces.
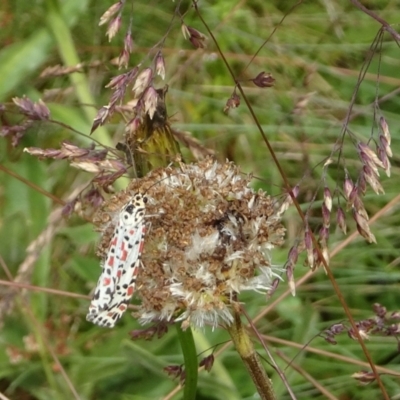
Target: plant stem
{"x":190,"y":357}
{"x":251,"y":360}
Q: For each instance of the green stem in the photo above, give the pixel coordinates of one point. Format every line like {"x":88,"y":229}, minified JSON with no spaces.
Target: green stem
{"x":251,"y":360}
{"x":190,"y":358}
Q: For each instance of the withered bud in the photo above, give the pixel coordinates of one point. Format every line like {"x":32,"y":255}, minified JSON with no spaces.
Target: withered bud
{"x":326,"y":215}
{"x":296,"y":190}
{"x":274,"y":286}
{"x":328,"y":198}
{"x":160,"y":65}
{"x":43,"y":153}
{"x":100,"y":118}
{"x":94,"y":198}
{"x":69,"y":208}
{"x":133,"y":125}
{"x":369,"y":157}
{"x":324,"y":234}
{"x":110,"y":12}
{"x":309,"y":247}
{"x":348,"y":186}
{"x":293,"y":255}
{"x":263,"y":79}
{"x":113,"y":27}
{"x":308,"y":239}
{"x":207,"y":362}
{"x":364,"y":377}
{"x":232,"y":102}
{"x":386,"y":146}
{"x":372,"y":178}
{"x":330,"y":339}
{"x":385,"y":129}
{"x":123,"y":59}
{"x":150,"y":99}
{"x":379,"y":310}
{"x":354,"y":195}
{"x":335,"y":329}
{"x":341,"y":220}
{"x":117,"y":81}
{"x":363,"y":227}
{"x":361,"y":184}
{"x":195,"y":37}
{"x":128,"y":42}
{"x":325,"y":254}
{"x":360,"y":209}
{"x":34,"y":110}
{"x":142,"y":81}
{"x":290,"y":279}
{"x":174,"y":370}
{"x":383,"y":156}
{"x":159,"y":329}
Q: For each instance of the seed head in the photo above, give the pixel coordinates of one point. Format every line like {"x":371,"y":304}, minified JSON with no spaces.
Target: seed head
{"x":210,"y":238}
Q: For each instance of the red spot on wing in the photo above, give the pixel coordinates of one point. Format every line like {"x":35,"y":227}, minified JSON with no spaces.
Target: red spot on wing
{"x":141,"y":244}
{"x":130,"y":290}
{"x":111,"y":261}
{"x":106,"y":281}
{"x":124,"y":253}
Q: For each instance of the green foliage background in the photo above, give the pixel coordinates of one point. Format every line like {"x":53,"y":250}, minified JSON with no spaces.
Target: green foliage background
{"x":317,"y":53}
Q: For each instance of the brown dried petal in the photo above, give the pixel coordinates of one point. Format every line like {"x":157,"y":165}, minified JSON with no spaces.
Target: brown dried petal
{"x":365,"y":377}
{"x":174,"y":370}
{"x":263,"y":79}
{"x":197,"y":43}
{"x":233,"y":102}
{"x":207,"y":362}
{"x":195,"y":36}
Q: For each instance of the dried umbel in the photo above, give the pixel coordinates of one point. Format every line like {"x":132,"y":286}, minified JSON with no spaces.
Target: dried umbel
{"x":209,"y":237}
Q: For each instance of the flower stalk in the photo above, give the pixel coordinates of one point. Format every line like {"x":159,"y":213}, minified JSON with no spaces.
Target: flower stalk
{"x":250,"y":358}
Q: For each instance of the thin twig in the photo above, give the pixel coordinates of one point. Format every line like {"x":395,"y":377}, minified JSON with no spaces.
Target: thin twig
{"x":385,"y":25}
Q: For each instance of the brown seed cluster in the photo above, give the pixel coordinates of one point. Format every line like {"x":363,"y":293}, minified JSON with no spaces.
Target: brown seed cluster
{"x":208,"y":238}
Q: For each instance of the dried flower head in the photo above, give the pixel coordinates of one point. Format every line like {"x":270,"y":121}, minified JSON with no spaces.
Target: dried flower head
{"x":209,"y":238}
